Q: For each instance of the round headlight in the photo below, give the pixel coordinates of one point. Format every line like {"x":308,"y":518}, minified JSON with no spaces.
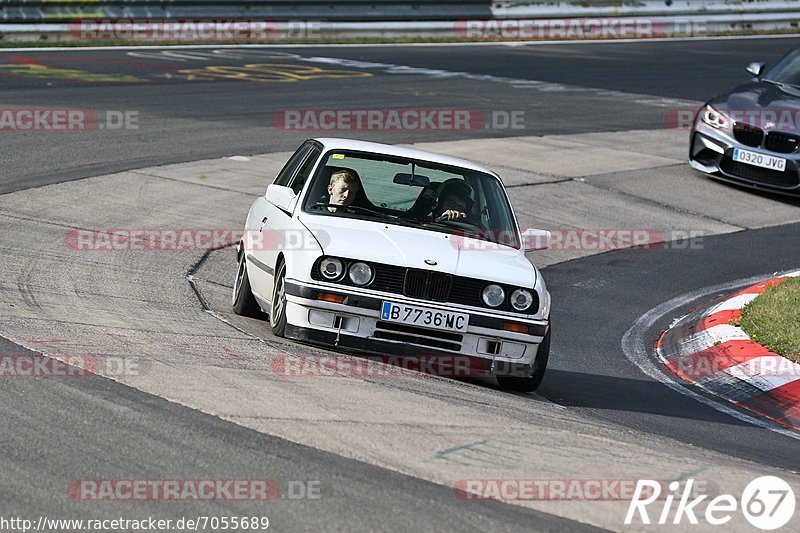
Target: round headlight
{"x":360,"y":273}
{"x":331,"y":268}
{"x":521,"y":299}
{"x":493,"y":295}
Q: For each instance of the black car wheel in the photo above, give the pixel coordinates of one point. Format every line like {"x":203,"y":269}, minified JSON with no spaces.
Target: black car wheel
{"x":277,"y":316}
{"x":242,"y":299}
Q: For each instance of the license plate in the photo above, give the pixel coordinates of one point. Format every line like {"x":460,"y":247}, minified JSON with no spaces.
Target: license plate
{"x":424,"y":317}
{"x":759,"y":160}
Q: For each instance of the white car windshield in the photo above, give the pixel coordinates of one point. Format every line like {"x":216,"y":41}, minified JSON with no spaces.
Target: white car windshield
{"x":412,"y":193}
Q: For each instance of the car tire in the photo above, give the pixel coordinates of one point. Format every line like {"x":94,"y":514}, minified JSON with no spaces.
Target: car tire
{"x":242,"y":299}
{"x":530,"y":384}
{"x":277,"y":315}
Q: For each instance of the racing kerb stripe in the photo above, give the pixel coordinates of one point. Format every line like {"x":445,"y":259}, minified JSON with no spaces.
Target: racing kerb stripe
{"x":706,"y":348}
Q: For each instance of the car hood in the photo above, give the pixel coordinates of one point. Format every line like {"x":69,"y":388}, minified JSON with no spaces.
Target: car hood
{"x":754,"y":100}
{"x":411,"y":247}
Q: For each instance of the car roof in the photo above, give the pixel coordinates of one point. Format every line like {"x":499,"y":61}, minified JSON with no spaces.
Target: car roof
{"x":334,"y":143}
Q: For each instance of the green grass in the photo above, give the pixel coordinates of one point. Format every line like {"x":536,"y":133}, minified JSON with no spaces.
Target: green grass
{"x":773,"y":319}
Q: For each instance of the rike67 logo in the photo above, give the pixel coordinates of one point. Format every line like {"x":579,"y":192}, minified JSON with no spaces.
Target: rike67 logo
{"x":767,"y":503}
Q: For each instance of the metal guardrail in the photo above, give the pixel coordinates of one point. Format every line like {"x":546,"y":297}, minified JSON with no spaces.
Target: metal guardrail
{"x":572,"y":8}
{"x":343,"y":20}
{"x":29,"y":11}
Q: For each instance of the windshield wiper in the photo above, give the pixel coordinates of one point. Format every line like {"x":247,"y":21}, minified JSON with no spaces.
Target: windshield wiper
{"x":461,"y":229}
{"x":359,"y":209}
{"x":782,"y":84}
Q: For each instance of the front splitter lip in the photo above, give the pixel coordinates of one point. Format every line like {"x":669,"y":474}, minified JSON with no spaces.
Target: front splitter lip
{"x":721,"y":176}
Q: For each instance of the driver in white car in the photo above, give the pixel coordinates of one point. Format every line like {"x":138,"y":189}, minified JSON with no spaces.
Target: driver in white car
{"x":454,"y":201}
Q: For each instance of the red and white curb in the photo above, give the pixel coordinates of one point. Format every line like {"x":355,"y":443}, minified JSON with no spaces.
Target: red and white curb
{"x":706,"y":349}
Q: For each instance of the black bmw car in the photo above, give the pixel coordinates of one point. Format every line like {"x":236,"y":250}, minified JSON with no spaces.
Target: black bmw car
{"x":751,"y":135}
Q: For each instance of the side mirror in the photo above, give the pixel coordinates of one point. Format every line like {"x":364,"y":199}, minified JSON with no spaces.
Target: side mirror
{"x":281,"y":197}
{"x":755,"y":69}
{"x":536,"y":239}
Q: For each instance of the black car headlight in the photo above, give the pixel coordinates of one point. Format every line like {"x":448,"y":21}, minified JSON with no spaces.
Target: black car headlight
{"x":521,"y":299}
{"x":360,"y":274}
{"x":331,"y":268}
{"x":714,"y":118}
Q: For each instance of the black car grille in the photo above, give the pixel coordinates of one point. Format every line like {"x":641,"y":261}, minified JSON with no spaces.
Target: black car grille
{"x":428,"y":285}
{"x":389,"y":279}
{"x":468,"y":292}
{"x":747,"y":134}
{"x":781,"y":142}
{"x":774,"y":141}
{"x":787,"y":178}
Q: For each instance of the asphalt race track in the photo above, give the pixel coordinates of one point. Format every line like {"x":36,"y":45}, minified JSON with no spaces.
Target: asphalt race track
{"x":597,"y":147}
{"x":183,"y":117}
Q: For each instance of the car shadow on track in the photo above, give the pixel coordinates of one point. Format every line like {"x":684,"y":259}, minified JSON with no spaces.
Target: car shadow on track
{"x":784,"y":198}
{"x":611,"y":393}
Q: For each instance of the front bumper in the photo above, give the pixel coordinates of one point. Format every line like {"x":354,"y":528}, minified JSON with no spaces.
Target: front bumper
{"x":355,"y":324}
{"x":711,"y":152}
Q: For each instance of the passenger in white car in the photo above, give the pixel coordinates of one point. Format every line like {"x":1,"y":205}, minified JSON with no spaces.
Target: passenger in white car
{"x":342,"y":188}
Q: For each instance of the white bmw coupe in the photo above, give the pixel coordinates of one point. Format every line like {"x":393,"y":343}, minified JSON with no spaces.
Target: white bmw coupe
{"x":393,"y":251}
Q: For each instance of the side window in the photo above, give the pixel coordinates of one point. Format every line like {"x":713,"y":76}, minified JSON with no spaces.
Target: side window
{"x":285,"y":175}
{"x":305,"y":170}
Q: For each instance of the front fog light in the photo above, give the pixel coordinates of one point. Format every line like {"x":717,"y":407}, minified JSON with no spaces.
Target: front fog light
{"x":521,"y":299}
{"x":331,"y":268}
{"x":360,"y":274}
{"x":493,"y":295}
